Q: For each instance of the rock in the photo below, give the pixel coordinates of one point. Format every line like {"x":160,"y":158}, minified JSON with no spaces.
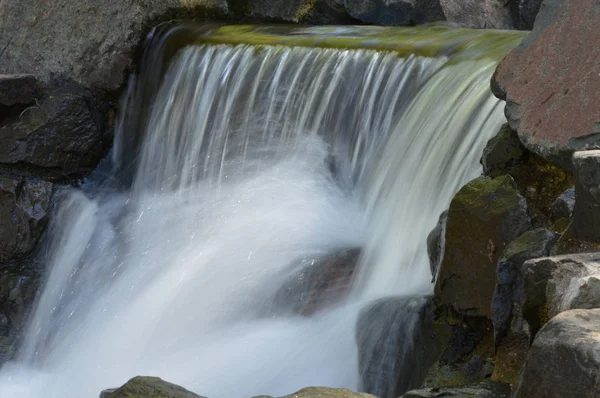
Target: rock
{"x":527,"y":11}
{"x":148,"y":387}
{"x":586,"y":215}
{"x":484,"y":216}
{"x":321,"y":281}
{"x":479,"y":390}
{"x":564,"y":360}
{"x":397,"y":345}
{"x":17,"y":89}
{"x":550,"y":93}
{"x":532,"y":244}
{"x":503,"y":153}
{"x":496,"y":14}
{"x":549,"y":283}
{"x":395,"y":12}
{"x":325,"y":392}
{"x":62,"y":137}
{"x":24,"y":207}
{"x":563,"y":206}
{"x":435,"y":245}
{"x":458,"y":373}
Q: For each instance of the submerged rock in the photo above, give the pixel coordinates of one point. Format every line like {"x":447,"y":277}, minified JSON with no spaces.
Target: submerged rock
{"x":480,"y":390}
{"x":148,"y":387}
{"x":484,"y":216}
{"x":564,"y":360}
{"x":552,"y":115}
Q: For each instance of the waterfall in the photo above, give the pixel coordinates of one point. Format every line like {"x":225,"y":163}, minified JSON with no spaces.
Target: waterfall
{"x":245,"y":162}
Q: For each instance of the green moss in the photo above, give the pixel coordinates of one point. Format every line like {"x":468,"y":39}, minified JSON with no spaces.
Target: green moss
{"x":494,"y":196}
{"x":525,"y":243}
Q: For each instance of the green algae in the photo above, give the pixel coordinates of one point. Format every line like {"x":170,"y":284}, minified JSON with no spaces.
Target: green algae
{"x":430,"y":40}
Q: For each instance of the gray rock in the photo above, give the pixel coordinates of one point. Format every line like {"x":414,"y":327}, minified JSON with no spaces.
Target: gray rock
{"x":148,"y":387}
{"x":62,"y":137}
{"x":484,"y":216}
{"x":395,"y":12}
{"x":527,"y":10}
{"x":496,"y":14}
{"x":503,"y":152}
{"x":586,"y":215}
{"x":583,"y":293}
{"x":563,"y":206}
{"x":17,"y":89}
{"x":531,"y":244}
{"x":24,"y":206}
{"x":326,"y":392}
{"x":564,"y":360}
{"x":435,"y":245}
{"x":479,"y":390}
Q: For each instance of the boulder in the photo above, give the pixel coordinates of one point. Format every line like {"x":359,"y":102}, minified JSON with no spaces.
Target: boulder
{"x":550,"y":94}
{"x":532,"y":244}
{"x":325,"y":392}
{"x":564,"y":360}
{"x":24,"y":207}
{"x":563,"y":206}
{"x":527,"y":11}
{"x":495,"y":14}
{"x":17,"y":89}
{"x":586,"y":215}
{"x":479,"y":390}
{"x":503,"y":153}
{"x":148,"y":387}
{"x":435,"y":245}
{"x":458,"y":373}
{"x":395,"y":12}
{"x":397,"y":344}
{"x":484,"y":216}
{"x":321,"y":281}
{"x":63,"y":137}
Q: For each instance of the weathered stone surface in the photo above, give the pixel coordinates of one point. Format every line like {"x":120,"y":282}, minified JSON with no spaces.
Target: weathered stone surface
{"x":443,"y":374}
{"x":322,"y":281}
{"x":325,"y":392}
{"x":563,"y":206}
{"x":484,"y":216}
{"x":586,"y":215}
{"x":24,"y":206}
{"x":531,"y":244}
{"x":495,"y":14}
{"x":479,"y":390}
{"x":564,"y":360}
{"x":397,"y":345}
{"x":546,"y":81}
{"x":62,"y":137}
{"x":527,"y":11}
{"x":395,"y":12}
{"x":435,"y":245}
{"x":17,"y":89}
{"x":503,"y":153}
{"x":548,"y":284}
{"x":148,"y":387}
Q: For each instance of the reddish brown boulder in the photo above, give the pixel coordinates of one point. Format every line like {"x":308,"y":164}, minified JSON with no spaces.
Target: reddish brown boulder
{"x":550,"y":82}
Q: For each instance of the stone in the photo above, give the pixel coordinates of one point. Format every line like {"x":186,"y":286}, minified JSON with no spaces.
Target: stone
{"x":435,"y":245}
{"x":503,"y":153}
{"x":321,"y":281}
{"x":24,"y":208}
{"x":550,"y":94}
{"x":531,"y":244}
{"x":63,"y":137}
{"x":395,"y":12}
{"x":17,"y":89}
{"x":527,"y":11}
{"x":548,"y":285}
{"x":584,"y":293}
{"x":325,"y":392}
{"x":397,"y":344}
{"x":148,"y":387}
{"x":484,"y":216}
{"x":495,"y":14}
{"x":586,"y":214}
{"x":564,"y":206}
{"x":479,"y":390}
{"x":564,"y":360}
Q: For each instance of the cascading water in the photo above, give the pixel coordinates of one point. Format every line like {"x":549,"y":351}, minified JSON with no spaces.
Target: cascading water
{"x":252,"y":157}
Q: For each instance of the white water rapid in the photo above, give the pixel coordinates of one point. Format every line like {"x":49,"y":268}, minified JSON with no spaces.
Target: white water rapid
{"x":253,"y":157}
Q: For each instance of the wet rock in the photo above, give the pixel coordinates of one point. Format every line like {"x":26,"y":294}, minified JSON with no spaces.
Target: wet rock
{"x":64,"y":136}
{"x":586,"y":217}
{"x":503,"y":153}
{"x":563,"y":206}
{"x":458,"y":373}
{"x":479,"y":390}
{"x":435,"y":245}
{"x":484,"y":216}
{"x":148,"y":387}
{"x":531,"y":244}
{"x":321,"y":281}
{"x":24,"y":207}
{"x":17,"y":89}
{"x":496,"y":14}
{"x":551,"y":96}
{"x":564,"y":360}
{"x":395,"y":12}
{"x":397,"y":345}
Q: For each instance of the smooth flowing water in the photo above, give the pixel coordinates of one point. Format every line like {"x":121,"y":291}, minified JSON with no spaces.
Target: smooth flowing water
{"x":245,"y":161}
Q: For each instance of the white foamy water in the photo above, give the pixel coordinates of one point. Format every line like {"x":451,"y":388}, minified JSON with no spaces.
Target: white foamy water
{"x":252,"y":158}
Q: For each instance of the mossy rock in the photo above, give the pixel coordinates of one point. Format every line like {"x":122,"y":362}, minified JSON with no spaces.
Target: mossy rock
{"x":484,"y":216}
{"x":510,"y":357}
{"x":148,"y":387}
